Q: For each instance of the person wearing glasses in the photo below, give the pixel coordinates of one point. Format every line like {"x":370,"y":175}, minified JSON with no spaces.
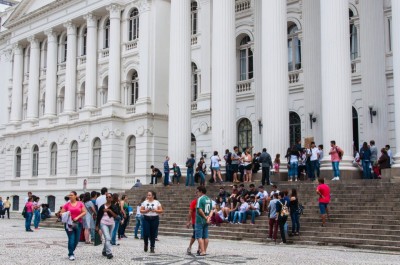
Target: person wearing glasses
{"x":76,"y":211}
{"x":150,"y":209}
{"x":105,"y":221}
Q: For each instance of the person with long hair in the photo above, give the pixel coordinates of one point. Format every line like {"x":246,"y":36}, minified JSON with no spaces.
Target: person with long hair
{"x":36,"y":212}
{"x":150,"y":209}
{"x":29,"y":213}
{"x":116,"y":207}
{"x":88,"y":220}
{"x":126,"y":217}
{"x":293,"y":161}
{"x":76,"y":211}
{"x":247,"y":160}
{"x":215,"y":159}
{"x":294,"y":212}
{"x":139,"y":220}
{"x":105,"y":221}
{"x":365,"y":156}
{"x":202,"y":171}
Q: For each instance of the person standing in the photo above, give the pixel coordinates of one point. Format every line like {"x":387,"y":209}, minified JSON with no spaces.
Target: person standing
{"x":320,"y":156}
{"x":36,"y":212}
{"x":118,"y":209}
{"x":228,"y":162}
{"x":29,"y":213}
{"x":313,"y":161}
{"x":365,"y":156}
{"x":102,"y":198}
{"x":139,"y":220}
{"x":273,"y":222}
{"x":293,"y":160}
{"x":281,"y":216}
{"x":7,"y":206}
{"x":235,"y":164}
{"x":294,"y":212}
{"x":150,"y":209}
{"x":2,"y":210}
{"x":203,"y":218}
{"x":105,"y":221}
{"x":215,"y":159}
{"x":374,"y":152}
{"x":90,"y":217}
{"x":266,"y":163}
{"x":191,"y":221}
{"x":76,"y":211}
{"x":190,"y":164}
{"x":336,"y":155}
{"x":29,"y":196}
{"x":202,"y":171}
{"x":126,"y":217}
{"x":389,"y":153}
{"x":166,"y":171}
{"x":324,"y":193}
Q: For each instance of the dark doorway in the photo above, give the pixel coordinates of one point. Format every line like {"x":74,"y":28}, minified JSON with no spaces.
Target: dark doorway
{"x":355,"y":129}
{"x":51,"y":201}
{"x":15,"y":203}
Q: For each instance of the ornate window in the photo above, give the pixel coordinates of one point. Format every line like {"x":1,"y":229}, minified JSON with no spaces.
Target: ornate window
{"x":244,"y":134}
{"x":131,"y":154}
{"x":246,"y":59}
{"x":134,"y":91}
{"x":194,"y":17}
{"x":84,"y":41}
{"x":134,"y":24}
{"x":18,"y":162}
{"x":35,"y":161}
{"x":107,"y":34}
{"x":53,"y":159}
{"x":65,"y":49}
{"x":294,"y":127}
{"x":96,"y":156}
{"x":294,"y":48}
{"x":195,"y":82}
{"x":74,"y":159}
{"x":353,"y":36}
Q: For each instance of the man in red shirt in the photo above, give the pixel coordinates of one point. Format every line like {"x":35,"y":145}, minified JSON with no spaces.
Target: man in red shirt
{"x":191,"y":220}
{"x":324,"y":199}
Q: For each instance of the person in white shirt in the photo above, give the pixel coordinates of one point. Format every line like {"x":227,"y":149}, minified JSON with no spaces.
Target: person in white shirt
{"x":254,"y":209}
{"x":262,"y":197}
{"x":313,"y":153}
{"x":102,"y":198}
{"x":215,"y":166}
{"x":389,"y":152}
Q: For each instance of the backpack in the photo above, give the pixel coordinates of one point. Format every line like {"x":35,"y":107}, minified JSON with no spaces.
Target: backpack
{"x":284,"y":211}
{"x":340,"y":153}
{"x":229,"y":158}
{"x":300,"y":210}
{"x":24,"y":212}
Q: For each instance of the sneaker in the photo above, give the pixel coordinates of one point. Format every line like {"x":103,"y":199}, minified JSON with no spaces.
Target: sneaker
{"x":104,"y":254}
{"x":110,"y":256}
{"x":295,"y":179}
{"x":152,"y":250}
{"x":335,"y":178}
{"x":72,"y":257}
{"x":146,"y":248}
{"x":189,"y":251}
{"x":136,"y":237}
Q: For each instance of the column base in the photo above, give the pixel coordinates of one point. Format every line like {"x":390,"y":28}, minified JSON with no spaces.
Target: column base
{"x":396,"y":159}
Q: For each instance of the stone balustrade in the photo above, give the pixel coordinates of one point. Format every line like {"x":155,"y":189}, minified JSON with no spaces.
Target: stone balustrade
{"x":194,"y":105}
{"x":194,"y":39}
{"x":294,"y":76}
{"x":244,"y":86}
{"x":131,"y":45}
{"x":242,"y":5}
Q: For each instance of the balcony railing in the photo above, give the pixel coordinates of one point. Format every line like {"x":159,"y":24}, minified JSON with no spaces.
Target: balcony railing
{"x":294,"y":76}
{"x":105,"y":53}
{"x":43,"y":71}
{"x":62,"y":66}
{"x":243,"y":86}
{"x":355,"y":66}
{"x":130,"y":110}
{"x":96,"y":113}
{"x":194,"y":105}
{"x":131,"y":45}
{"x":242,"y":5}
{"x":194,"y":39}
{"x":82,"y":59}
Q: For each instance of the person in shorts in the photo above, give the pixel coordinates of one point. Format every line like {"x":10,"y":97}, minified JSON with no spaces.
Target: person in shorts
{"x":235,"y":164}
{"x":203,"y":218}
{"x":215,"y":166}
{"x":191,"y":221}
{"x":324,"y":199}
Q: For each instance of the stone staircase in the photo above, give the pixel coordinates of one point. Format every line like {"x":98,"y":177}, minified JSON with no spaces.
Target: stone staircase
{"x":363,"y":214}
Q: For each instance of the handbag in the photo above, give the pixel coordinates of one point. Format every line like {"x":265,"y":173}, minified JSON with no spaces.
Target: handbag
{"x":97,"y":238}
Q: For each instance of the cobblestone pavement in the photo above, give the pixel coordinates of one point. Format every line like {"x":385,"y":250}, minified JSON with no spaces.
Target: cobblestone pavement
{"x":49,"y":246}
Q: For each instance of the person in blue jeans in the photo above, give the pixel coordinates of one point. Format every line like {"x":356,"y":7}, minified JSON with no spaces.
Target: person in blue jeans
{"x":254,"y":209}
{"x":365,"y":156}
{"x":29,"y":214}
{"x":166,"y":171}
{"x":36,"y":212}
{"x":241,"y":213}
{"x":139,"y":220}
{"x":190,"y":164}
{"x":116,"y":207}
{"x":294,"y":212}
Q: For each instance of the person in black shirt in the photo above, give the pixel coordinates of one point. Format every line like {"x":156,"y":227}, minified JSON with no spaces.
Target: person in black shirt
{"x":155,"y":173}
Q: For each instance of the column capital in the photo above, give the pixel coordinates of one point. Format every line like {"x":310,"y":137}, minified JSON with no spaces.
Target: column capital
{"x":7,"y":55}
{"x":17,"y":48}
{"x":144,"y":6}
{"x":115,"y":11}
{"x":34,"y":42}
{"x":71,"y":27}
{"x":51,"y":35}
{"x":91,"y":20}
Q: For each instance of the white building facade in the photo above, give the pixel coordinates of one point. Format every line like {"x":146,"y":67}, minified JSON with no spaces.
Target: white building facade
{"x":97,"y":91}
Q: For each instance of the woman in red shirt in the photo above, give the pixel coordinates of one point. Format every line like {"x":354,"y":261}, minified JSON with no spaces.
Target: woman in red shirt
{"x":29,"y":214}
{"x":76,"y":210}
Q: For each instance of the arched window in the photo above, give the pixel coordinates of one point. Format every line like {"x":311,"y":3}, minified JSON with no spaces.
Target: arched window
{"x":294,"y":48}
{"x":131,"y":154}
{"x":134,"y":24}
{"x":107,"y":34}
{"x":60,"y":101}
{"x":18,"y":162}
{"x":64,"y":49}
{"x":353,"y":37}
{"x":193,"y":17}
{"x":246,"y":59}
{"x":53,"y":159}
{"x":195,"y":82}
{"x":74,"y":159}
{"x":35,"y":161}
{"x":96,"y":156}
{"x":244,"y":134}
{"x":294,"y":128}
{"x":134,"y":92}
{"x":84,"y":41}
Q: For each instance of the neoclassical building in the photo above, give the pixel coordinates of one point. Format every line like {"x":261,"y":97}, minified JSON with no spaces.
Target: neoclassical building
{"x":96,"y":91}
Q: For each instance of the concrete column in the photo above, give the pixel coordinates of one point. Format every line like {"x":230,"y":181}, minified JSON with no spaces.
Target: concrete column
{"x":336,"y":78}
{"x":396,"y":75}
{"x":275,"y":77}
{"x":51,"y":74}
{"x":114,"y":78}
{"x":70,"y":71}
{"x":179,"y":122}
{"x":18,"y":69}
{"x":91,"y":61}
{"x":34,"y":70}
{"x":311,"y":64}
{"x":223,"y":117}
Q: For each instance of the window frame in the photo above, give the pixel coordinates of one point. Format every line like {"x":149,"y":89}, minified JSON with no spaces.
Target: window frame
{"x":246,"y":59}
{"x":107,"y":29}
{"x":131,"y":163}
{"x":35,"y":161}
{"x":18,"y":162}
{"x":194,"y":17}
{"x":53,"y":159}
{"x":294,"y":48}
{"x":96,"y":156}
{"x":242,"y":127}
{"x":134,"y":89}
{"x":133,"y":26}
{"x":195,"y":82}
{"x":74,"y":158}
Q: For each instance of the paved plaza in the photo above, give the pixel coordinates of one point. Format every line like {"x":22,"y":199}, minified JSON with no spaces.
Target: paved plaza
{"x":49,"y":246}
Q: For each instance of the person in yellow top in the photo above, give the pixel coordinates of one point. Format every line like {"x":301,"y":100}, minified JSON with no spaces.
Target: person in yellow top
{"x":7,"y":206}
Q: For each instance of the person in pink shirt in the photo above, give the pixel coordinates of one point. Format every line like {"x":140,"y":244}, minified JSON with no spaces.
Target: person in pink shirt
{"x":29,"y":214}
{"x":336,"y":155}
{"x":76,"y":210}
{"x":324,"y":199}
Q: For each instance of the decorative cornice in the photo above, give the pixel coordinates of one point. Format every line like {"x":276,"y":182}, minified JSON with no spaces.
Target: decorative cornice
{"x":144,"y":6}
{"x":71,"y":27}
{"x":34,"y":42}
{"x":91,"y":20}
{"x":115,"y":11}
{"x":51,"y":35}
